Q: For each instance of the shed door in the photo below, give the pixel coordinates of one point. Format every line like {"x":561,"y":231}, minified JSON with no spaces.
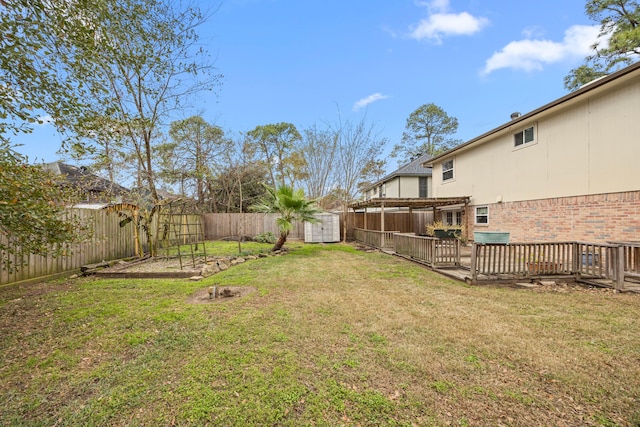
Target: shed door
{"x":327,"y":230}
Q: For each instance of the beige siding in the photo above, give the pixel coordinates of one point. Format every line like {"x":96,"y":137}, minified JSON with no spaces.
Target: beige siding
{"x":587,"y":146}
{"x":400,"y":187}
{"x":409,"y":187}
{"x":392,"y":188}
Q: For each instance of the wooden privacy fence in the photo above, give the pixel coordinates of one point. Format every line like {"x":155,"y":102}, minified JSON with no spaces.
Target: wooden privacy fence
{"x":579,"y":259}
{"x":404,"y":222}
{"x":221,"y":225}
{"x":430,"y":250}
{"x":107,"y":241}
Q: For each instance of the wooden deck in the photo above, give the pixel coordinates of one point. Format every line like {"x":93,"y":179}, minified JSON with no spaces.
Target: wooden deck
{"x":463,"y":274}
{"x":612,"y":266}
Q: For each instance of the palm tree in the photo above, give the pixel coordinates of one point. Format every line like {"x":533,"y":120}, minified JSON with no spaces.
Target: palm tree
{"x":291,"y":205}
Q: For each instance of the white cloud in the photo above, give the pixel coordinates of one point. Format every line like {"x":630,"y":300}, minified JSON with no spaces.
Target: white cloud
{"x":44,"y":120}
{"x":389,"y":31}
{"x":441,"y":23}
{"x":531,"y":55}
{"x":368,"y":100}
{"x":533,"y":32}
{"x":447,"y":24}
{"x":435,"y":5}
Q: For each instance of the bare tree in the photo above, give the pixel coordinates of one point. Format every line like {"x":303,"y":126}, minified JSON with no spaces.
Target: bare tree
{"x":142,"y":62}
{"x":239,"y":183}
{"x":359,"y":145}
{"x":318,"y":149}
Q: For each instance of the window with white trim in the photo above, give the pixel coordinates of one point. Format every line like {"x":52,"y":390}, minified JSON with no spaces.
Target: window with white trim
{"x":482,"y":215}
{"x":525,"y":136}
{"x":447,"y":170}
{"x":453,"y":218}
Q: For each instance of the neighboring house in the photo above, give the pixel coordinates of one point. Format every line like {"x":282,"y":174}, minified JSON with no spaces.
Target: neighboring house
{"x":412,"y":180}
{"x":94,"y":189}
{"x":568,"y":170}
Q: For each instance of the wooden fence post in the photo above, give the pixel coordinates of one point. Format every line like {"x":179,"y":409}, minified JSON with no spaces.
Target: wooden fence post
{"x":474,"y":262}
{"x":434,"y":252}
{"x":620,"y":268}
{"x":576,"y":260}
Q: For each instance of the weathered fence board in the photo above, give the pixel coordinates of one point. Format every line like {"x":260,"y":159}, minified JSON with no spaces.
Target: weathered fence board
{"x":107,"y":241}
{"x":221,"y":225}
{"x":404,"y":222}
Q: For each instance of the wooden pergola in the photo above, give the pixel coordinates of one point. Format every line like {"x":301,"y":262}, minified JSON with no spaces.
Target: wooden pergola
{"x":412,"y":203}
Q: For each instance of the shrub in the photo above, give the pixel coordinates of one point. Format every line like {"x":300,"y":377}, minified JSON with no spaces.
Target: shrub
{"x":267,"y":237}
{"x":458,"y":229}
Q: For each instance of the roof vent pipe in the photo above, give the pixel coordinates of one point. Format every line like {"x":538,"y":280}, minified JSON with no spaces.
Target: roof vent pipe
{"x":515,"y":115}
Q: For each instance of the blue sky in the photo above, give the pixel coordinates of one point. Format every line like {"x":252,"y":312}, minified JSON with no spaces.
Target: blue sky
{"x":311,"y":61}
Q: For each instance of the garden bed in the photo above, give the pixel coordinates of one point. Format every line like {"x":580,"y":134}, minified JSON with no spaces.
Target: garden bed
{"x":171,"y":267}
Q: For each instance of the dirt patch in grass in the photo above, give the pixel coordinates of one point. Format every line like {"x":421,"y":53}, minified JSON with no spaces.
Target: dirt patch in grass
{"x":225,"y":294}
{"x":158,"y":265}
{"x":34,"y":289}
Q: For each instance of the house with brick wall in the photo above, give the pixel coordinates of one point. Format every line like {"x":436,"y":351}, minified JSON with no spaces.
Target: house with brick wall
{"x":569,"y":170}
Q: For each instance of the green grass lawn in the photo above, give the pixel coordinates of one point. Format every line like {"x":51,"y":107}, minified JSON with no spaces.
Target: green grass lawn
{"x":331,"y":336}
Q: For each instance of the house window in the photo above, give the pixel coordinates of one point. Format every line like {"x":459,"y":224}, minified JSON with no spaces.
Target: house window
{"x":447,"y":170}
{"x":453,"y":218}
{"x":482,"y":215}
{"x":422,"y":187}
{"x":525,"y":136}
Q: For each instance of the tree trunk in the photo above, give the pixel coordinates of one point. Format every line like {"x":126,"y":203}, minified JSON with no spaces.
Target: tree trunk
{"x":345,"y":216}
{"x":280,"y":243}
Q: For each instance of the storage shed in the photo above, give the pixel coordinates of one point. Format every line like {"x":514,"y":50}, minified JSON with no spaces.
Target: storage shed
{"x":325,"y":231}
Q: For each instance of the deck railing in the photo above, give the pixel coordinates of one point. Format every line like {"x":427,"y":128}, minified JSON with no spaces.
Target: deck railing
{"x":579,"y":259}
{"x":377,"y":239}
{"x":631,"y":258}
{"x":430,"y":250}
{"x":614,"y":261}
